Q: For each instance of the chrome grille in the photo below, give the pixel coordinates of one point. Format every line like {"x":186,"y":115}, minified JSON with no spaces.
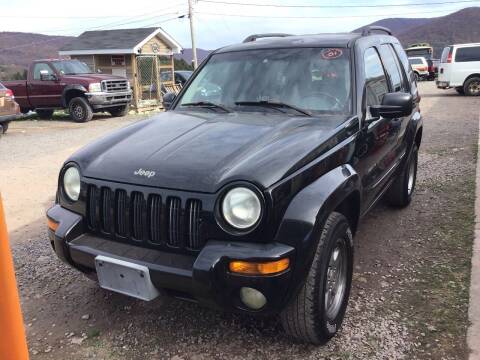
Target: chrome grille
{"x":113,"y":86}
{"x":144,"y":218}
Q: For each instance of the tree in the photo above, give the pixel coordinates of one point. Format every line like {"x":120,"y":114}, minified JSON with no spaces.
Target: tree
{"x":181,"y":64}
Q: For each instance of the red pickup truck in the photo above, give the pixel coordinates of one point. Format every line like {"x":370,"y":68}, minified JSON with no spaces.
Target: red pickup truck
{"x":70,"y":84}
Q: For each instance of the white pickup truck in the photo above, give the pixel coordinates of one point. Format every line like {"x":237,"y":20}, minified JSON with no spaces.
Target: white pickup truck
{"x":460,"y":69}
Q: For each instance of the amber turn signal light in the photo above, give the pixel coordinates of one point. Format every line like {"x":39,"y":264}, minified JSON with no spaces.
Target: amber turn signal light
{"x":259,"y":268}
{"x":52,"y":225}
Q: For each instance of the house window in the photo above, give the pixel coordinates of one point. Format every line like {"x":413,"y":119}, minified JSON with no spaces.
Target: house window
{"x":118,"y":60}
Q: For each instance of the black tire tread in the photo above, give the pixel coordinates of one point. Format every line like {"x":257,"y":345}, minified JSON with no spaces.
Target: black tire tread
{"x":87,"y":108}
{"x":467,"y":83}
{"x":396,"y":196}
{"x":44,"y":114}
{"x":299,"y":317}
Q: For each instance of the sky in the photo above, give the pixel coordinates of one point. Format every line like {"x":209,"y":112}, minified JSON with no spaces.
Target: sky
{"x":216,"y":22}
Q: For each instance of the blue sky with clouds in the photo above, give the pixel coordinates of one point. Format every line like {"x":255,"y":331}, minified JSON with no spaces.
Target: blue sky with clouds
{"x":217,"y":24}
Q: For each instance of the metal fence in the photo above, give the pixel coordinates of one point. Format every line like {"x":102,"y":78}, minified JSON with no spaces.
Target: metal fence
{"x":148,"y":79}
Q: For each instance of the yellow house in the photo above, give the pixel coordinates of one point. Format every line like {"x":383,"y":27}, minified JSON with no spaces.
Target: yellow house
{"x":144,"y":56}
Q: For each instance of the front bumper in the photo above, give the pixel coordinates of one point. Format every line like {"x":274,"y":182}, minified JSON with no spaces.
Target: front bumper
{"x":8,"y":118}
{"x":100,"y":100}
{"x":203,"y":278}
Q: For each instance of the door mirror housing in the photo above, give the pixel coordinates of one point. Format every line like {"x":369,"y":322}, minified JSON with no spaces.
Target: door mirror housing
{"x":168,"y":99}
{"x":394,"y":105}
{"x":46,"y":76}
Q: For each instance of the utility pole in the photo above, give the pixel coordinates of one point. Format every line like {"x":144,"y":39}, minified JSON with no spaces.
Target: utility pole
{"x":192,"y":34}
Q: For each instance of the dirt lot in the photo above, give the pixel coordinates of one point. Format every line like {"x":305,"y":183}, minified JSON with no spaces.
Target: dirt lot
{"x":410,"y":295}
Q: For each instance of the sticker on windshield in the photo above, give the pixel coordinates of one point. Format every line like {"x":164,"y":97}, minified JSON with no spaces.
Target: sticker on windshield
{"x":332,"y":53}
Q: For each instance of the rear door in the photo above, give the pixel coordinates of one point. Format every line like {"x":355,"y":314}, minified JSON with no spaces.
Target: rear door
{"x":380,"y":136}
{"x":466,"y":62}
{"x":45,"y":93}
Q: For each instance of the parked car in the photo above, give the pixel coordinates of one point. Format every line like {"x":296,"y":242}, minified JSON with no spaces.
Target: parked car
{"x":432,"y":68}
{"x":70,"y":84}
{"x":460,"y":69}
{"x":9,"y":109}
{"x":248,"y":198}
{"x":420,"y":67}
{"x":182,"y":76}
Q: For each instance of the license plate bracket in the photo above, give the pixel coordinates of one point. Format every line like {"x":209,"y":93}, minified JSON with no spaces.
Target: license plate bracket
{"x":125,"y":278}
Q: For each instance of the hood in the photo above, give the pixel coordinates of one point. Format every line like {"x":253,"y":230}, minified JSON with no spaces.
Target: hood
{"x":201,"y":152}
{"x":91,"y":78}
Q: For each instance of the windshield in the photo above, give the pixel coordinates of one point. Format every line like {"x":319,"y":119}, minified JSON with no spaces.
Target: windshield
{"x":426,"y":52}
{"x":313,"y":79}
{"x":71,"y":67}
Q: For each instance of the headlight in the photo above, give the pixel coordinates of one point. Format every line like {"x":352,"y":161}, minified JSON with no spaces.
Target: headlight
{"x":95,"y":87}
{"x":71,"y":183}
{"x":241,"y":208}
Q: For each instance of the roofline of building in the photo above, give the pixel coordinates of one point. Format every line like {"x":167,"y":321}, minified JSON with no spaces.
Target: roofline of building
{"x":175,"y":46}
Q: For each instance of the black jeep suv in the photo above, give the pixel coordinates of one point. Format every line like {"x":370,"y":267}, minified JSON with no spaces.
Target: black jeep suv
{"x":246,"y":194}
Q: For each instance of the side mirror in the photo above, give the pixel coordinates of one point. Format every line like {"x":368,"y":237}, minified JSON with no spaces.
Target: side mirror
{"x":168,"y":99}
{"x":394,"y":105}
{"x":46,"y":76}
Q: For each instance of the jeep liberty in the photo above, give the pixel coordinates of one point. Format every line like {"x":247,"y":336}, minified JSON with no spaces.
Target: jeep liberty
{"x":246,"y":194}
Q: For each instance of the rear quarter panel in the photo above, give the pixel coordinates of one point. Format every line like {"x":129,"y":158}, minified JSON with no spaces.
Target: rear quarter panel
{"x":19,"y":89}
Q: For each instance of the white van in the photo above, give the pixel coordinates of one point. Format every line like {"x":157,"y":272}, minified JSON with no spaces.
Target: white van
{"x":460,"y":69}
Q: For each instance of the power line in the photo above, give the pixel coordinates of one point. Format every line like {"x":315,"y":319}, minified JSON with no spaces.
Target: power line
{"x":338,"y":6}
{"x":322,"y":17}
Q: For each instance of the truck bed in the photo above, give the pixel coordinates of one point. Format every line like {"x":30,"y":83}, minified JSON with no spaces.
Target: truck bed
{"x":19,"y":88}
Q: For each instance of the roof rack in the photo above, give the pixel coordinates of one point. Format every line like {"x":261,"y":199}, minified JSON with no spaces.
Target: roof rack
{"x":369,"y":29}
{"x":260,"y":36}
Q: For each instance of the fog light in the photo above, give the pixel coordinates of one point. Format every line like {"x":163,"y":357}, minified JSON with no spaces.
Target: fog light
{"x":252,"y":298}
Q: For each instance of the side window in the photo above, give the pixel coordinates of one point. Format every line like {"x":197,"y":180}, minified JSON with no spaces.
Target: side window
{"x":468,"y":54}
{"x":375,"y":80}
{"x":406,"y":66}
{"x":391,"y":67}
{"x":39,"y":67}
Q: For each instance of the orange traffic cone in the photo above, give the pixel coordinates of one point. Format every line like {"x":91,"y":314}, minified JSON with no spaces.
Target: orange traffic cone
{"x":13,"y":345}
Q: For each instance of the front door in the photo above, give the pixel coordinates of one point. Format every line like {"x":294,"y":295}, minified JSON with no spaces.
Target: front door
{"x":379,"y":144}
{"x":46,"y":93}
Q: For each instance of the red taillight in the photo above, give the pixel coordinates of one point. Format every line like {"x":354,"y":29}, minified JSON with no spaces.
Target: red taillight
{"x":449,"y":58}
{"x":9,"y":94}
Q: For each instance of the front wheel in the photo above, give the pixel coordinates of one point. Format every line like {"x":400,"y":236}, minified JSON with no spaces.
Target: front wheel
{"x":316,"y":313}
{"x":80,"y":110}
{"x":401,"y":191}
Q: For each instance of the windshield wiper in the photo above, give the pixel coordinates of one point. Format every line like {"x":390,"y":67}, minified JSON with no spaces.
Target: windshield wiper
{"x":208,"y":104}
{"x":273,"y":104}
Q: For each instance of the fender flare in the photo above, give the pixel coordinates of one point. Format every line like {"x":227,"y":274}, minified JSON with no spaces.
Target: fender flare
{"x":307,"y":212}
{"x":67,"y":89}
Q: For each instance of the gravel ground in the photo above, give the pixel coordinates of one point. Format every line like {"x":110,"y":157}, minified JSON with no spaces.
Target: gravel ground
{"x":410,"y":292}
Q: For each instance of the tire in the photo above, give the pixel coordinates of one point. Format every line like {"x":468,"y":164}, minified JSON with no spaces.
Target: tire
{"x":80,"y":110}
{"x":119,"y":111}
{"x":459,"y":89}
{"x":307,"y":317}
{"x":401,"y":191}
{"x":44,"y":114}
{"x":4,"y":127}
{"x":472,"y":86}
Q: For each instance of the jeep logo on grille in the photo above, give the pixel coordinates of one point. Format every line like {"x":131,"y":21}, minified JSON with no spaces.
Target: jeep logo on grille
{"x":146,"y":173}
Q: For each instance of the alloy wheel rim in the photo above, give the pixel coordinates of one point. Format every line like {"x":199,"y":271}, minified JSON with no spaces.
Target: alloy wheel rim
{"x":78,"y":111}
{"x":336,"y":280}
{"x":411,"y":177}
{"x":474,"y":87}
